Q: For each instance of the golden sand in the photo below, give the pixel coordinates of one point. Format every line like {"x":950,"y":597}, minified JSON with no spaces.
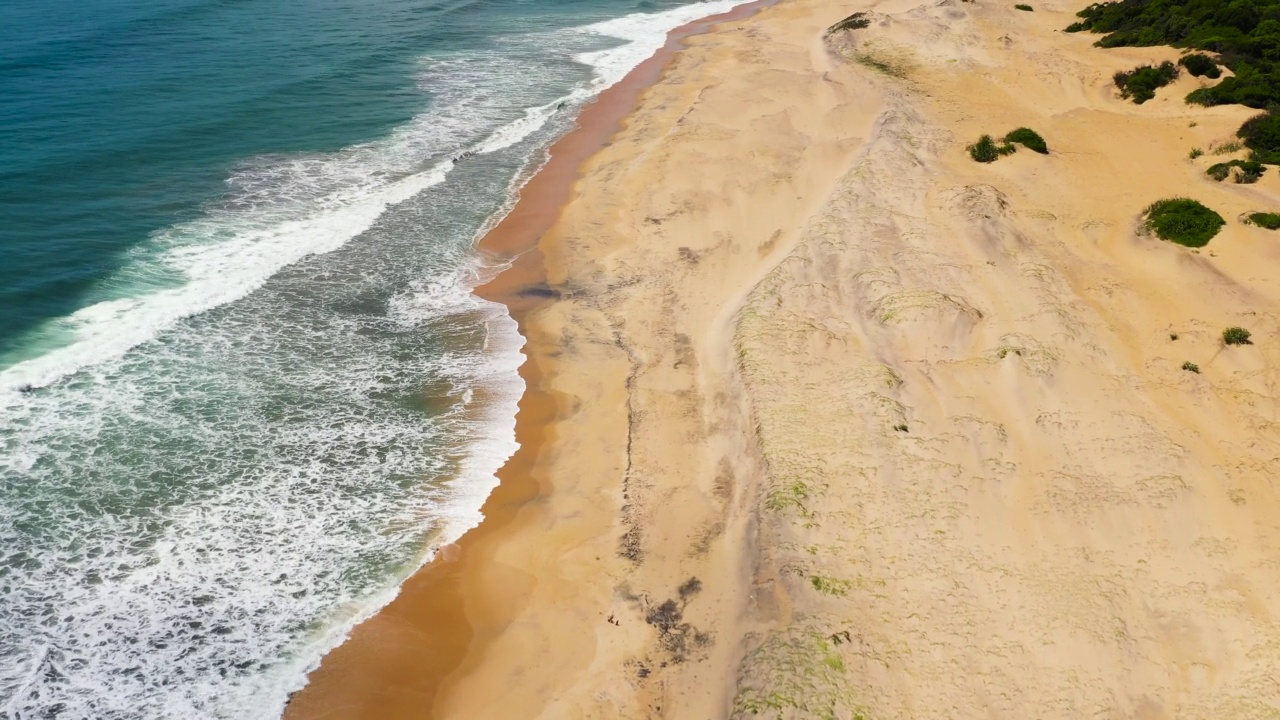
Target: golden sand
{"x":829,"y":420}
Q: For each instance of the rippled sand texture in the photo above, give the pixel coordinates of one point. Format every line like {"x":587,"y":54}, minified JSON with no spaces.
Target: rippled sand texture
{"x":850,"y":426}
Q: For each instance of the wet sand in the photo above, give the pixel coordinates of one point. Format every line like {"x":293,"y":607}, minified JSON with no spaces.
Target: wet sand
{"x":394,"y":664}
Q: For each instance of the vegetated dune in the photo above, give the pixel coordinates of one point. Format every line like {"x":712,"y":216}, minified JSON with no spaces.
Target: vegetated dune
{"x":992,"y":491}
{"x":853,"y":426}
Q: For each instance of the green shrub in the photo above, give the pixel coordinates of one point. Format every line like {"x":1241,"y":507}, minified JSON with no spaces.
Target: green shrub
{"x":1140,"y":83}
{"x":1173,"y":336}
{"x":1236,"y":336}
{"x":1261,"y":134}
{"x":1195,"y":153}
{"x":986,"y":150}
{"x":1183,"y":221}
{"x":1191,"y":367}
{"x":1028,"y":138}
{"x":1246,"y":171}
{"x":1025,"y":8}
{"x":1270,"y":221}
{"x":856,"y":21}
{"x":1200,"y":65}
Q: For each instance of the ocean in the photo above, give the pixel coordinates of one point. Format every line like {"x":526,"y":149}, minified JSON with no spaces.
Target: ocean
{"x":244,"y":387}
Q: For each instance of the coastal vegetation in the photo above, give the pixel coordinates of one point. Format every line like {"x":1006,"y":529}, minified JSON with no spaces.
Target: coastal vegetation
{"x":1244,"y":34}
{"x":988,"y":150}
{"x":1183,"y":221}
{"x":1241,"y":171}
{"x":1024,"y":8}
{"x":1191,"y":367}
{"x":1266,"y":220}
{"x":1200,"y":65}
{"x":1261,"y":134}
{"x":1028,"y":138}
{"x":1236,"y":336}
{"x":1140,"y":83}
{"x":856,"y":21}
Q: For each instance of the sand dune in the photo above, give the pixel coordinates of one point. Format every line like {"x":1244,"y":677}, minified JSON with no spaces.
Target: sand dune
{"x":851,"y":426}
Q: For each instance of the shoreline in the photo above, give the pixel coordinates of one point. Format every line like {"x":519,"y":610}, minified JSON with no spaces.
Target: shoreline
{"x":378,"y":672}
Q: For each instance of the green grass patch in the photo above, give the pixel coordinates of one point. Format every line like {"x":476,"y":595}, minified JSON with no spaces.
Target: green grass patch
{"x":1236,"y":336}
{"x":1269,"y":221}
{"x":1028,"y":138}
{"x":830,"y":586}
{"x":1140,"y":83}
{"x":1183,"y":221}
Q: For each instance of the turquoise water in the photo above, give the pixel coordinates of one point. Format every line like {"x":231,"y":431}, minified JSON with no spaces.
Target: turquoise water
{"x":244,"y":389}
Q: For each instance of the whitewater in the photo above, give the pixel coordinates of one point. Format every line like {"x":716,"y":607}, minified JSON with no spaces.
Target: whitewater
{"x":275,"y":411}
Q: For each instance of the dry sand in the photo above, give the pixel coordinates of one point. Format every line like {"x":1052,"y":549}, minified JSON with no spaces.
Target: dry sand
{"x":837,"y":423}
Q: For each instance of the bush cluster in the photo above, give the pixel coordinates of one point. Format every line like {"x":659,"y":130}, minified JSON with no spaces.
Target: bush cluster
{"x":1140,"y":83}
{"x":1183,"y":221}
{"x":1244,"y":33}
{"x":1270,"y":221}
{"x":1246,"y":171}
{"x":1024,"y":8}
{"x":1200,"y":65}
{"x":988,"y":150}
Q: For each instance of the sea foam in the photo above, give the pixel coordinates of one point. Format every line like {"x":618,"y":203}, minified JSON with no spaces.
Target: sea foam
{"x":218,"y":476}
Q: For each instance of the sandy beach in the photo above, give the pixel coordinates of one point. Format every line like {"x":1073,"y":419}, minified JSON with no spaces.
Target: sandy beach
{"x":826,"y":420}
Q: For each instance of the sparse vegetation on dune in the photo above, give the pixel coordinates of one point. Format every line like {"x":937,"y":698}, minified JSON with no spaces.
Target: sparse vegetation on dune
{"x":1183,"y":221}
{"x":1266,"y":220}
{"x":1240,"y":171}
{"x":1236,"y":336}
{"x":1191,"y":367}
{"x":856,"y":21}
{"x":1140,"y":83}
{"x":1028,"y":138}
{"x":988,"y":150}
{"x":1024,"y":8}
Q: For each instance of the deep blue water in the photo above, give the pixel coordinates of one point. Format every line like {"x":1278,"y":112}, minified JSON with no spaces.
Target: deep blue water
{"x":244,"y":389}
